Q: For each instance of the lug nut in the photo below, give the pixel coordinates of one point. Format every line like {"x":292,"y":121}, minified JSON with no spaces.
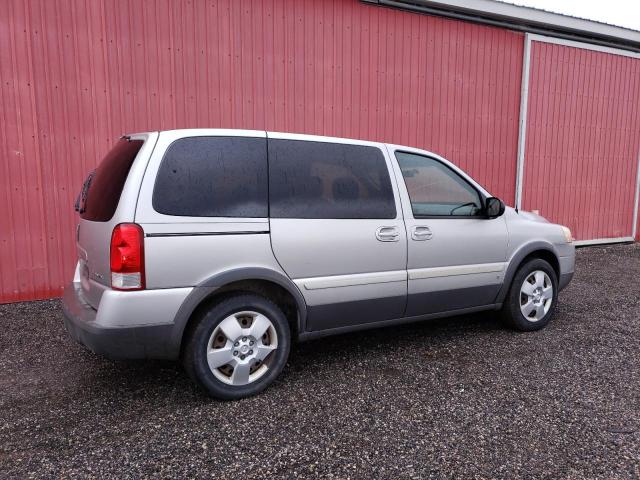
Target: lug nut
{"x":244,"y":339}
{"x":250,"y":352}
{"x":251,"y":343}
{"x":236,"y":344}
{"x":241,"y":357}
{"x":235,"y":353}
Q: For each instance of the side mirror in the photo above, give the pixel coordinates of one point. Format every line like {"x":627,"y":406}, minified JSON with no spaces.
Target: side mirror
{"x":494,"y":207}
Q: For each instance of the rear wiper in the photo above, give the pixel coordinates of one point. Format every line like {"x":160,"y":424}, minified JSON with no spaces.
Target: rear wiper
{"x":81,"y":201}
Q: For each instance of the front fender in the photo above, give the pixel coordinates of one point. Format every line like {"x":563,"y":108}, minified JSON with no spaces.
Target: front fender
{"x":516,"y":259}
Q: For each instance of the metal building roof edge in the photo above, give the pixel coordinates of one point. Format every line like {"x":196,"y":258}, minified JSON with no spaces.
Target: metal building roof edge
{"x":523,"y":18}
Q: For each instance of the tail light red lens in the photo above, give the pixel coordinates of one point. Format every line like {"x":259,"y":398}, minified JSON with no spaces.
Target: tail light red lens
{"x":127,"y":257}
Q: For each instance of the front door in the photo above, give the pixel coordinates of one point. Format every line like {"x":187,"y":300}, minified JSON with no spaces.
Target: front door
{"x":337,"y":229}
{"x":456,"y":256}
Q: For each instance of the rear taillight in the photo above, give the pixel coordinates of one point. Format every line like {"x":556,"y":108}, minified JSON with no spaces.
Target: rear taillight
{"x":127,"y":257}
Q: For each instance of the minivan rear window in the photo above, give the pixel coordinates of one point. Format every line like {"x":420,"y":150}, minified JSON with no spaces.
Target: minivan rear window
{"x":213,"y":177}
{"x":102,"y":189}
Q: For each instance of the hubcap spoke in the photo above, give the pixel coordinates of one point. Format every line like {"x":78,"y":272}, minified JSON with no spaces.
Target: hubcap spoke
{"x":263,"y":351}
{"x":259,"y":326}
{"x":240,"y":375}
{"x":527,"y":308}
{"x":540,"y":311}
{"x":527,"y":288}
{"x":231,"y":328}
{"x":539,"y":276}
{"x":218,"y":357}
{"x":547,"y":293}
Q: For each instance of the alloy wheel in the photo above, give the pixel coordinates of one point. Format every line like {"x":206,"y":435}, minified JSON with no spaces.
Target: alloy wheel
{"x":536,"y":296}
{"x":241,"y":347}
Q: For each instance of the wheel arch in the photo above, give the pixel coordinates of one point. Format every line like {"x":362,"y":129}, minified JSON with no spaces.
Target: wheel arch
{"x":542,"y":250}
{"x":259,"y":280}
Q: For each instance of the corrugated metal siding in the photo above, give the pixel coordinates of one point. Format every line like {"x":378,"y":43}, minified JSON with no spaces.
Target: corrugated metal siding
{"x":76,"y":74}
{"x":583,"y":139}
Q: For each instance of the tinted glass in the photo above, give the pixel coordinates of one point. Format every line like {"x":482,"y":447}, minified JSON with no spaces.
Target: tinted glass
{"x":213,"y":177}
{"x":102,"y":189}
{"x":328,"y":180}
{"x":435,"y":189}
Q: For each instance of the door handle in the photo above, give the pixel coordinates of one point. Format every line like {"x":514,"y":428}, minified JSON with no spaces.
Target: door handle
{"x":421,"y":232}
{"x":387,"y":234}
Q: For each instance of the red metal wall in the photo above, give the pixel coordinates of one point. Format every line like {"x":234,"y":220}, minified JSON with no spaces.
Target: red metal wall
{"x":75,"y":74}
{"x":583,"y":139}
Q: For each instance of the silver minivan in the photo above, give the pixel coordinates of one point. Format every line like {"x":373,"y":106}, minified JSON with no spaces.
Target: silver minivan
{"x":220,"y":247}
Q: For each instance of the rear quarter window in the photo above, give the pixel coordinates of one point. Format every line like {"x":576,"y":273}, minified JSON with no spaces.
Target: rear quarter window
{"x":213,"y":177}
{"x":101,"y":191}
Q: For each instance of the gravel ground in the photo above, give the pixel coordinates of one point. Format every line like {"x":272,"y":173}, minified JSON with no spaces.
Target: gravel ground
{"x":457,"y":398}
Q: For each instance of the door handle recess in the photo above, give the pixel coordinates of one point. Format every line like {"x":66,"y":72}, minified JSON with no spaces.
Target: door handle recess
{"x":421,"y":233}
{"x":387,"y":234}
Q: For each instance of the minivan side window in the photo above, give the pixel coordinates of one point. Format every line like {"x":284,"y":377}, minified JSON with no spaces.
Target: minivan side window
{"x":213,"y":177}
{"x":101,"y":191}
{"x":328,"y":180}
{"x":435,"y":190}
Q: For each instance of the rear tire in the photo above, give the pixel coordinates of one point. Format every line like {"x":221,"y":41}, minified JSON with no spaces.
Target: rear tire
{"x":238,"y":347}
{"x":531,"y":301}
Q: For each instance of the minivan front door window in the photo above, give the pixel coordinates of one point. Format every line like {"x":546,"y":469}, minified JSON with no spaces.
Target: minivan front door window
{"x":436,"y":190}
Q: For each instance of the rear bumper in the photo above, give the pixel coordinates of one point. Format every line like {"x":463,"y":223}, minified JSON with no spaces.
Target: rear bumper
{"x":128,"y":341}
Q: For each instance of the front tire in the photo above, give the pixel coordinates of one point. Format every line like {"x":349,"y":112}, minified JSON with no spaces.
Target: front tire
{"x":532,"y":298}
{"x":238,"y":347}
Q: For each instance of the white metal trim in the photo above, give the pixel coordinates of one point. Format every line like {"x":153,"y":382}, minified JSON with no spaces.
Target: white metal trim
{"x":542,"y":18}
{"x":583,"y":45}
{"x":435,"y":272}
{"x":524,"y":106}
{"x":334,"y":281}
{"x":600,"y":241}
{"x":634,"y":227}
